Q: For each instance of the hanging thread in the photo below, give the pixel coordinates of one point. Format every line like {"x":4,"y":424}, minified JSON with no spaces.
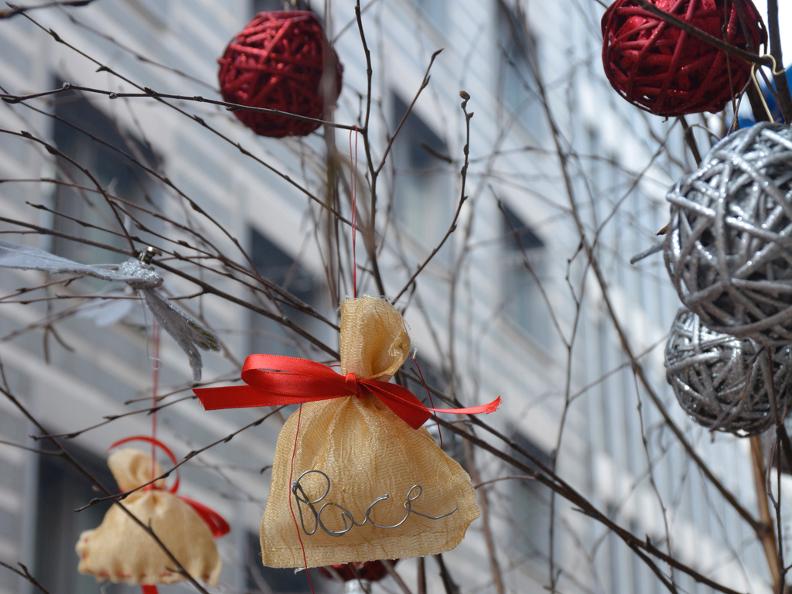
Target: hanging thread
{"x":353,"y":158}
{"x":155,"y":345}
{"x":155,"y":366}
{"x":428,"y":392}
{"x":291,"y":505}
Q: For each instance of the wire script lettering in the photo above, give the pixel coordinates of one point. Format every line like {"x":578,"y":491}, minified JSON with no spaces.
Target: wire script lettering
{"x":316,"y":509}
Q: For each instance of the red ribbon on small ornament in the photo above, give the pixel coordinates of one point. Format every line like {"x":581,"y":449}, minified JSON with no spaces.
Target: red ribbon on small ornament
{"x":217,"y":523}
{"x":275,"y":380}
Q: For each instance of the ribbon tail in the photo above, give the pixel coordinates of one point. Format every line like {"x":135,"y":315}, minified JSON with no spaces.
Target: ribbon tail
{"x":480,"y":409}
{"x":217,"y":523}
{"x":414,"y":412}
{"x":228,"y":397}
{"x":149,"y":589}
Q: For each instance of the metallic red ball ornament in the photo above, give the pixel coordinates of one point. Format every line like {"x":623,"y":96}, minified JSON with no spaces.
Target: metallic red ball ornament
{"x":667,"y":71}
{"x":280,"y":60}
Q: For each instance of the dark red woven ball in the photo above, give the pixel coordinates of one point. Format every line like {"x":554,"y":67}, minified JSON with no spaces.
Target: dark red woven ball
{"x":665,"y":70}
{"x":371,"y":571}
{"x":278,"y":61}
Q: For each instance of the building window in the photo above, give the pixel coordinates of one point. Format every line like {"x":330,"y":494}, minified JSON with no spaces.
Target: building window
{"x":617,"y":574}
{"x":435,"y":10}
{"x":155,"y":12}
{"x":258,"y":6}
{"x":62,"y":489}
{"x":114,"y":172}
{"x":606,"y":386}
{"x":423,"y":201}
{"x":531,"y":511}
{"x":524,"y":256}
{"x":267,"y":5}
{"x":280,"y":268}
{"x":516,"y":81}
{"x":597,"y":174}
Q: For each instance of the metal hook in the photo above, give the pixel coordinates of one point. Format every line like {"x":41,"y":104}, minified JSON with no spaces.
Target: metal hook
{"x":148,"y":255}
{"x":775,"y":72}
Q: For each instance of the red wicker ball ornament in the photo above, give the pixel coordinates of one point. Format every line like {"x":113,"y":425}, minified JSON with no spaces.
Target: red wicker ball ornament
{"x":372,"y":571}
{"x":278,"y":61}
{"x":667,"y":71}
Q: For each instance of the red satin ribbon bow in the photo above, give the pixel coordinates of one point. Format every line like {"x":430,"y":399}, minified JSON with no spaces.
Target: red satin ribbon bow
{"x":217,"y":523}
{"x":274,"y":380}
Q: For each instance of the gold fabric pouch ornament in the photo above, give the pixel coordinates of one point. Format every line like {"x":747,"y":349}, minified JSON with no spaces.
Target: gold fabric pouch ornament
{"x":120,"y":550}
{"x":354,"y":477}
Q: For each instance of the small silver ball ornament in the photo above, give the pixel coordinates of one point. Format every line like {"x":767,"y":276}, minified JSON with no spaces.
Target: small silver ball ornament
{"x":727,"y":383}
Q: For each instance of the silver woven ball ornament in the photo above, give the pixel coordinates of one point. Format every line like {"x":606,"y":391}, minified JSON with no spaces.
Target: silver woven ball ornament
{"x":729,"y":250}
{"x":727,"y":383}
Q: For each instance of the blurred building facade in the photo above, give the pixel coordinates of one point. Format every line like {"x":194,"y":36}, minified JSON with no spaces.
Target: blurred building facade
{"x":506,"y":326}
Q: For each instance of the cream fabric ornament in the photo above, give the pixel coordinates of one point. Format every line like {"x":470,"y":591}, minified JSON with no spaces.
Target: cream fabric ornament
{"x":119,"y":550}
{"x":362,"y":483}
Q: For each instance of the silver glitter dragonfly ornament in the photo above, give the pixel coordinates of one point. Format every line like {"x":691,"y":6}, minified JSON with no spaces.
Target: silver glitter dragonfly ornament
{"x":139,"y":275}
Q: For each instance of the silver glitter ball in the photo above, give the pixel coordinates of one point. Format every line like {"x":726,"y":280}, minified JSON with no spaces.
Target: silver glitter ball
{"x":729,"y":250}
{"x":727,"y":383}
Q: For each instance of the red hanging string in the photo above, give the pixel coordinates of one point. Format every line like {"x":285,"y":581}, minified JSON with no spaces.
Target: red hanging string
{"x":353,"y":157}
{"x":216,"y":523}
{"x":155,"y":365}
{"x":291,"y":505}
{"x":151,"y":588}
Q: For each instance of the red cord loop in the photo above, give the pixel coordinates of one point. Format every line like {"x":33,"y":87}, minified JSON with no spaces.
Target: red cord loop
{"x":156,"y":443}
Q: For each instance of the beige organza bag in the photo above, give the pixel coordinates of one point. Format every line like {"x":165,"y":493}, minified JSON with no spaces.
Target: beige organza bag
{"x":368,"y":486}
{"x":120,"y":550}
